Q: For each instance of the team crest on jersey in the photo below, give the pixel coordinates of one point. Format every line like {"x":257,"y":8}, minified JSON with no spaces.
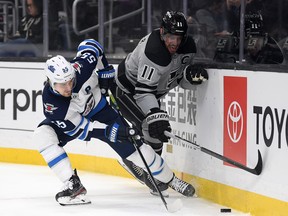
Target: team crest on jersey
{"x":185,"y":59}
{"x":90,"y":104}
{"x":49,"y":108}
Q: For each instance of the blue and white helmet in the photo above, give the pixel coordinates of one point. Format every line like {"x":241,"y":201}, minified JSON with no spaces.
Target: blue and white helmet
{"x":59,"y":70}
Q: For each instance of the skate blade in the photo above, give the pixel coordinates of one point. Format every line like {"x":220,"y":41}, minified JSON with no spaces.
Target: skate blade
{"x":78,"y":200}
{"x":164,"y":193}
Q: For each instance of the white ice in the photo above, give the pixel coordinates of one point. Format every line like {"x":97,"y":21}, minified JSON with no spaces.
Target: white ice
{"x":30,"y":190}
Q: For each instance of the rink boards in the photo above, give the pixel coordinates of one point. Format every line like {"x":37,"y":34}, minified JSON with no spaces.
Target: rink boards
{"x":235,"y":113}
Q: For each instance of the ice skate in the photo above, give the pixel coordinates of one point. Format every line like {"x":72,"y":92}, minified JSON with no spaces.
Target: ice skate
{"x":162,"y":186}
{"x":73,"y":192}
{"x":182,"y":187}
{"x":135,"y":171}
{"x":144,"y":178}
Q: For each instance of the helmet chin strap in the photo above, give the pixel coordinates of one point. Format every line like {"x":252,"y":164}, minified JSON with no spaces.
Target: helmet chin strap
{"x":55,"y":91}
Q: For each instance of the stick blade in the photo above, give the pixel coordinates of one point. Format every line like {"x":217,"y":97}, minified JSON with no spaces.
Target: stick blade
{"x":259,"y":166}
{"x":175,"y":206}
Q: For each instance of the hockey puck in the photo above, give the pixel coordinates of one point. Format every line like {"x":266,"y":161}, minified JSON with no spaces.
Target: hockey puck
{"x":225,"y":210}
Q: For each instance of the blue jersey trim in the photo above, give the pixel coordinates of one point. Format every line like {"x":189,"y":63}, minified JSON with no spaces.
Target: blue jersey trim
{"x":72,"y":132}
{"x":102,"y":103}
{"x":84,"y":132}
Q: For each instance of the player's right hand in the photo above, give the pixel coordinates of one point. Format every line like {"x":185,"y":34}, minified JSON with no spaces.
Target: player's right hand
{"x":158,"y":123}
{"x":196,"y":73}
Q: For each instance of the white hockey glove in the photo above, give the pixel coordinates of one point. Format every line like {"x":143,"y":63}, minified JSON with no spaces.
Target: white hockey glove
{"x":158,"y":123}
{"x":195,"y":74}
{"x":106,"y":78}
{"x":117,"y":133}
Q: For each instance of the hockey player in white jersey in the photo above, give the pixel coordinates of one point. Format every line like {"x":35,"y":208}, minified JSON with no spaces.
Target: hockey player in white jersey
{"x":161,"y":61}
{"x":75,"y":108}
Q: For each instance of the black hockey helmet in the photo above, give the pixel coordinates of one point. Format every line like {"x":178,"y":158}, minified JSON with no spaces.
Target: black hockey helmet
{"x":174,"y":22}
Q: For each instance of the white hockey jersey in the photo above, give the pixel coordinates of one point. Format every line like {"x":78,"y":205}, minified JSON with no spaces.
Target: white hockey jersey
{"x":73,"y":114}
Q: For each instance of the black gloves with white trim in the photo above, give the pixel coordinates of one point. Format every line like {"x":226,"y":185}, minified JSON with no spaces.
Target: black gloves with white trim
{"x":158,"y":123}
{"x":195,"y":74}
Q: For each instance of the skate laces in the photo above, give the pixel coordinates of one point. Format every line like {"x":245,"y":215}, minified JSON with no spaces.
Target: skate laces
{"x":179,"y":185}
{"x":137,"y":169}
{"x":68,"y":185}
{"x":71,"y":183}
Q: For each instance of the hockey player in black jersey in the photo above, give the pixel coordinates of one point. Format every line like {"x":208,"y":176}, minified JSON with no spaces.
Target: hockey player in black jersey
{"x":161,"y":61}
{"x":75,"y":108}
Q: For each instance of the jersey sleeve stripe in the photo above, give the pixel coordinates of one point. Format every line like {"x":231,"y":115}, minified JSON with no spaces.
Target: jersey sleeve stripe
{"x":144,"y":91}
{"x":145,"y":86}
{"x":96,"y":45}
{"x":74,"y":131}
{"x":88,"y":48}
{"x":99,"y":107}
{"x":142,"y":88}
{"x":84,"y":132}
{"x":81,"y":130}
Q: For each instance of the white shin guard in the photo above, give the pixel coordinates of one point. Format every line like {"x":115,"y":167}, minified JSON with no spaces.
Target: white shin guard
{"x":157,"y":165}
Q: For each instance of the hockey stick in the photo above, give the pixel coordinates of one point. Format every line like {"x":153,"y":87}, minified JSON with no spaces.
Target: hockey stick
{"x":256,"y":171}
{"x":177,"y":205}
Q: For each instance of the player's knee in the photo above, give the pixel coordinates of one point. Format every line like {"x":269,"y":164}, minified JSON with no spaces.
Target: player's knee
{"x":156,"y":146}
{"x":44,"y":136}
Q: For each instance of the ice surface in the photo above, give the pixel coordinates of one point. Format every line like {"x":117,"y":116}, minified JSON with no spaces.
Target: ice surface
{"x":30,"y":190}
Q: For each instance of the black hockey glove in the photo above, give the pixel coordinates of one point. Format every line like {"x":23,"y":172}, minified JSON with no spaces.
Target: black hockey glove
{"x":195,"y":74}
{"x":106,"y":78}
{"x":158,"y":123}
{"x":115,"y":132}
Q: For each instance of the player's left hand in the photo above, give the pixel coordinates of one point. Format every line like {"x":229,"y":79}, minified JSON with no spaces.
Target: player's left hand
{"x":195,"y":73}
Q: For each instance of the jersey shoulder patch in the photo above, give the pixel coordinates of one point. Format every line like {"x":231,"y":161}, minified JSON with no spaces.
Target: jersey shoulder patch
{"x":156,"y":51}
{"x":84,"y":70}
{"x":188,"y":46}
{"x":55,"y":106}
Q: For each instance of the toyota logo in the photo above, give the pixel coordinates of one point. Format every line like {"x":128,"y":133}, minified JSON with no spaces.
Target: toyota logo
{"x":235,"y":121}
